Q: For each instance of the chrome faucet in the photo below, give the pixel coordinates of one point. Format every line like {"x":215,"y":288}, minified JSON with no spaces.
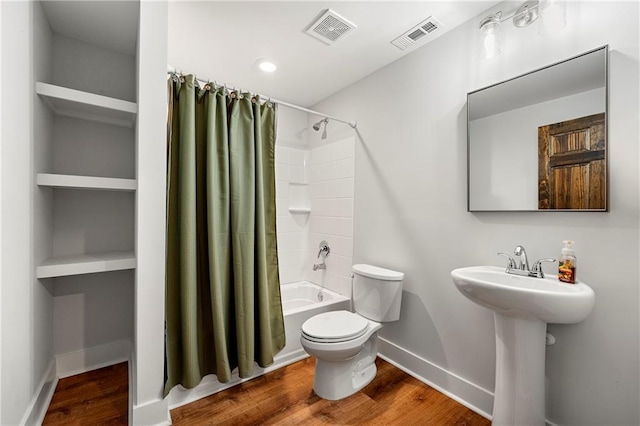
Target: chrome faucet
{"x":523,"y":262}
{"x":324,"y":248}
{"x":522,"y":266}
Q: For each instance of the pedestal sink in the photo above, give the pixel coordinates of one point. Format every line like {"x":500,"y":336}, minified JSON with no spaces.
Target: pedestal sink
{"x":522,"y":306}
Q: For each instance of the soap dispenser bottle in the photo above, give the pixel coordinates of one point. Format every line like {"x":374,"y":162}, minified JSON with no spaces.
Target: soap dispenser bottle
{"x":567,"y":263}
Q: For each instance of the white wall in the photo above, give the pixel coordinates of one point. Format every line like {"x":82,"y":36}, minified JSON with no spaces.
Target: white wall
{"x":331,"y":194}
{"x":292,"y":196}
{"x":509,"y":141}
{"x":82,"y":66}
{"x":41,"y":149}
{"x":19,"y":372}
{"x":1,"y":204}
{"x":95,"y":309}
{"x":148,"y":353}
{"x":292,"y":190}
{"x":410,"y":212}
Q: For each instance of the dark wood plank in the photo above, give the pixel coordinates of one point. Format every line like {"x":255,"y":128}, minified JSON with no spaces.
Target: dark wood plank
{"x":98,"y":397}
{"x":575,"y":157}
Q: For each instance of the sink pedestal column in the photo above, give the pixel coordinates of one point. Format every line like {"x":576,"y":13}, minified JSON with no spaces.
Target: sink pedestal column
{"x":520,"y":356}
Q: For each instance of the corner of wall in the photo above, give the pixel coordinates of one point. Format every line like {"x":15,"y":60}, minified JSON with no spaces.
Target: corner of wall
{"x":37,"y":409}
{"x":455,"y":387}
{"x":150,"y":215}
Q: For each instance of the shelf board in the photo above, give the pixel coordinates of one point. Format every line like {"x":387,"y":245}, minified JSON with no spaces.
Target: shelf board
{"x":86,"y":264}
{"x":88,"y":106}
{"x":85,"y":182}
{"x":299,"y":210}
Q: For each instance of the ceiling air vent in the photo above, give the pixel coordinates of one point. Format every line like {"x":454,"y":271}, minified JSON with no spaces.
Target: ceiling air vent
{"x":330,"y":27}
{"x":421,"y":33}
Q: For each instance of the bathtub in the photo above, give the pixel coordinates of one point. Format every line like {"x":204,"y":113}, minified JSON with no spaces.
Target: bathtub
{"x":300,"y":301}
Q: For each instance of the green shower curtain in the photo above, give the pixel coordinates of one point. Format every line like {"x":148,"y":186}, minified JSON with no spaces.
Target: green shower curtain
{"x":223,"y":307}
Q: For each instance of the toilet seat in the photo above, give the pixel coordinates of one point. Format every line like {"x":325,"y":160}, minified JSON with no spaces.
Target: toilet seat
{"x":334,"y":327}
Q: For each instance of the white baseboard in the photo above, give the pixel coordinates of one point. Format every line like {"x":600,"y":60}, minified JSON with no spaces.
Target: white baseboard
{"x":455,"y":387}
{"x":88,"y":359}
{"x":154,"y":413}
{"x":39,"y":404}
{"x":132,"y":385}
{"x":209,"y":385}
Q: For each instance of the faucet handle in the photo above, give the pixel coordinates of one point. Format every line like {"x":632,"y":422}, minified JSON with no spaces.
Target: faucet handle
{"x":512,"y":262}
{"x":324,"y":248}
{"x":537,"y":265}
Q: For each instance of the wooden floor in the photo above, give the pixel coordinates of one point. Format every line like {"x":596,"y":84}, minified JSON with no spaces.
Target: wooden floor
{"x":282,"y":397}
{"x":99,"y":397}
{"x":285,"y":397}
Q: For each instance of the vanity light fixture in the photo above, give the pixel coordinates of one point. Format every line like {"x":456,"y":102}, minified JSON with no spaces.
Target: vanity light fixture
{"x":550,"y":12}
{"x":526,"y":14}
{"x":490,"y":26}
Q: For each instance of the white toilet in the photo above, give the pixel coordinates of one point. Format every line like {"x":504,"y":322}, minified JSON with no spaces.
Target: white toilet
{"x":345,"y":344}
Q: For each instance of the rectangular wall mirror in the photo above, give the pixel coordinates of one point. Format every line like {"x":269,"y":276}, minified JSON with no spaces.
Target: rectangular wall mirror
{"x":538,"y":142}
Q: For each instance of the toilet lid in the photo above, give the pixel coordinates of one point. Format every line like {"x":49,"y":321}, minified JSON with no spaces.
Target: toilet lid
{"x":335,"y":326}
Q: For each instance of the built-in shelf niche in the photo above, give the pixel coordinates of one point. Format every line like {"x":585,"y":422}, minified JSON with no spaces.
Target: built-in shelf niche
{"x":77,"y":104}
{"x":85,"y":182}
{"x":299,"y":200}
{"x":88,"y":106}
{"x":299,"y":210}
{"x":86,"y":264}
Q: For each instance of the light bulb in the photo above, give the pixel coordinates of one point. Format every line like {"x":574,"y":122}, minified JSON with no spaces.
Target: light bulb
{"x":490,"y":26}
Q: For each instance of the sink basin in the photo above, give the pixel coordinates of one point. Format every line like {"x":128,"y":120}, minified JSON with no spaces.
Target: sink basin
{"x":546,"y":299}
{"x":522,"y":307}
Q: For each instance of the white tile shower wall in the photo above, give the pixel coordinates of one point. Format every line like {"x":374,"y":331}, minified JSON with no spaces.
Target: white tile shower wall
{"x":292,"y":227}
{"x":331,"y":194}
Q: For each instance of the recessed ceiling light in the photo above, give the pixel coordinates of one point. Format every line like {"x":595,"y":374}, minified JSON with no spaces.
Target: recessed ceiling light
{"x":266,"y":66}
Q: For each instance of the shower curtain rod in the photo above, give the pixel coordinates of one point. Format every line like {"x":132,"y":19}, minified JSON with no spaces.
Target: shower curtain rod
{"x":353,"y":124}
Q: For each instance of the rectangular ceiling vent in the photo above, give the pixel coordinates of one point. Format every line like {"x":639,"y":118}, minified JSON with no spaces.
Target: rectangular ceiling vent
{"x":330,"y":27}
{"x":421,"y":33}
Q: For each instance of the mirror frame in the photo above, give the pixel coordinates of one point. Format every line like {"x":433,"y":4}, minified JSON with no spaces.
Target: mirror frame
{"x":604,"y":48}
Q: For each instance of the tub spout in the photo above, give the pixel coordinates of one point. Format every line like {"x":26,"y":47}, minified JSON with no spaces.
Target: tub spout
{"x":317,"y":266}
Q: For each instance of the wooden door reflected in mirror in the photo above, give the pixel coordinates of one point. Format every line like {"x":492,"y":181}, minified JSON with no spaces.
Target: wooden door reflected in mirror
{"x":572,"y":164}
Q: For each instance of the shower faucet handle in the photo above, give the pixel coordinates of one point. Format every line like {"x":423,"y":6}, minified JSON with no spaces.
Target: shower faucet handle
{"x":324,"y":248}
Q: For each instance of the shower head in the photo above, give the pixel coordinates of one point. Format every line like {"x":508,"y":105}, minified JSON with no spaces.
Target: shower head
{"x":316,"y":126}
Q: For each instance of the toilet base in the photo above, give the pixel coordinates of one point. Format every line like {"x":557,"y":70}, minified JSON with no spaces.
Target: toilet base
{"x":337,"y":380}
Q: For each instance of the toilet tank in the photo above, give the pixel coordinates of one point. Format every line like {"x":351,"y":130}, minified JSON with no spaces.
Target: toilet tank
{"x":377,"y":292}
